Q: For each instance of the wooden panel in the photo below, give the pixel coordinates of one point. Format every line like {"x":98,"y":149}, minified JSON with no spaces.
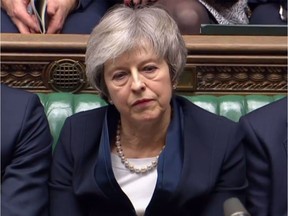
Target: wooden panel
{"x":215,"y":64}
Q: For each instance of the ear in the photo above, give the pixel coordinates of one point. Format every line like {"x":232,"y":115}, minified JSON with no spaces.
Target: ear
{"x":174,"y":84}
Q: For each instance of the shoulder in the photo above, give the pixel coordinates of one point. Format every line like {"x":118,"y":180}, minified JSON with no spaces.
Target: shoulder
{"x":89,"y":115}
{"x":14,"y":99}
{"x":206,"y":124}
{"x":92,"y":120}
{"x":85,"y":128}
{"x":266,"y":115}
{"x":9,"y":91}
{"x":196,"y":113}
{"x":203,"y":128}
{"x":274,"y":107}
{"x":18,"y":104}
{"x":268,"y":122}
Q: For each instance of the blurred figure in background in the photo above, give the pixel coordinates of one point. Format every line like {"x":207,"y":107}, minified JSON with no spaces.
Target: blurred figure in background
{"x":268,"y":12}
{"x":63,"y":16}
{"x":72,"y":17}
{"x":190,"y":14}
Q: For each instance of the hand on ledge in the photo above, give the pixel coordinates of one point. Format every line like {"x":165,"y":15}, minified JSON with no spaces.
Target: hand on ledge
{"x":17,"y":11}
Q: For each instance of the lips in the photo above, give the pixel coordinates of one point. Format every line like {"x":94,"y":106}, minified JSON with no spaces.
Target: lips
{"x":142,"y":101}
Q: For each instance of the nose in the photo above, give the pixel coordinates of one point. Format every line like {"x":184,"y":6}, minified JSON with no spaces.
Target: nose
{"x":138,"y":83}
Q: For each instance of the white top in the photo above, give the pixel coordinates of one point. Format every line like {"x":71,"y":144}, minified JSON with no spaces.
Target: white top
{"x":138,"y":187}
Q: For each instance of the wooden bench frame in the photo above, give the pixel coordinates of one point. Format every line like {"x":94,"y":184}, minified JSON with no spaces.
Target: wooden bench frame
{"x":215,"y":64}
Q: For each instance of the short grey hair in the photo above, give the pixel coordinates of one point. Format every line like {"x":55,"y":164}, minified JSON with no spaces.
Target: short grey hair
{"x":123,"y":28}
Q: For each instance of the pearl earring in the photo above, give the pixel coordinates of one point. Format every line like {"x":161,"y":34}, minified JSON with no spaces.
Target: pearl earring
{"x":174,"y":86}
{"x":111,"y":102}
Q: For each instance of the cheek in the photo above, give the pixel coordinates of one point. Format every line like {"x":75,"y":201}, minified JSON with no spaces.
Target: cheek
{"x":164,"y":91}
{"x":114,"y":95}
{"x":168,"y":89}
{"x":112,"y":90}
{"x":166,"y":84}
{"x":118,"y":96}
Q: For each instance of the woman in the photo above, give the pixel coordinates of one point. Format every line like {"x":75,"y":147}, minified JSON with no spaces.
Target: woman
{"x":149,"y":151}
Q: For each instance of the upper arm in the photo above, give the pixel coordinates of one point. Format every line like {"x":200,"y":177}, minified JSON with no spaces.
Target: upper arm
{"x":25,"y":179}
{"x":258,"y":193}
{"x":229,"y":179}
{"x":63,"y":198}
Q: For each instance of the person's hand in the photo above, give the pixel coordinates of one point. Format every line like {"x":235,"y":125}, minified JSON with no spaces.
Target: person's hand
{"x":138,"y":2}
{"x":17,"y":10}
{"x":57,"y":11}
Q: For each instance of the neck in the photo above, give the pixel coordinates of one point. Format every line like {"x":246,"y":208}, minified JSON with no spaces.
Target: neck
{"x":144,"y":139}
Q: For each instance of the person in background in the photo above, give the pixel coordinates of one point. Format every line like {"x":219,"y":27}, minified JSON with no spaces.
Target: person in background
{"x":26,"y":153}
{"x":148,"y":151}
{"x":265,"y":142}
{"x":63,"y":16}
{"x":188,"y":14}
{"x":191,"y":14}
{"x":277,"y":10}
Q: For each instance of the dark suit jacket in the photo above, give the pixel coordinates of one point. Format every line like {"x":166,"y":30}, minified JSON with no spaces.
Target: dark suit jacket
{"x":86,"y":16}
{"x":265,"y":143}
{"x":25,"y":154}
{"x":197,"y":170}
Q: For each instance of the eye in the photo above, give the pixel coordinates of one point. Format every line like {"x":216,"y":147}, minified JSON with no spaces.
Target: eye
{"x":149,"y":68}
{"x":119,"y":76}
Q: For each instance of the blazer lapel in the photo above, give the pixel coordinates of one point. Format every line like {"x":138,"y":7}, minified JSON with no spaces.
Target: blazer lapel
{"x":104,"y":175}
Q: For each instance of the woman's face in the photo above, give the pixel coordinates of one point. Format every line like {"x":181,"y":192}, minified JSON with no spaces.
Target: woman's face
{"x":139,"y":85}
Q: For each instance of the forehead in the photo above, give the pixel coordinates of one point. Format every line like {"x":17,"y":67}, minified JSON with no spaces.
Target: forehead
{"x":139,"y":45}
{"x":138,"y":51}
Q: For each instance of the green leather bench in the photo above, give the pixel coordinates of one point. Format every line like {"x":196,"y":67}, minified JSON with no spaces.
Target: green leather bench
{"x":58,"y":106}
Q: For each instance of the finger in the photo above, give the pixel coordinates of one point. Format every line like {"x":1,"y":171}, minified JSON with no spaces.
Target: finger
{"x":36,"y":21}
{"x":22,"y":27}
{"x":54,"y":27}
{"x":32,"y":31}
{"x":28,"y":20}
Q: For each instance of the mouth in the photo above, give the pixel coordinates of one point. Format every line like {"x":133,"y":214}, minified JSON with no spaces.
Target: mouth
{"x":141,"y":102}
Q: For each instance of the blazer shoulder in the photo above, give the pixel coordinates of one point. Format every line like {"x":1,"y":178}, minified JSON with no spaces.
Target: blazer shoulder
{"x":275,"y":111}
{"x":89,"y":117}
{"x":268,"y":122}
{"x":191,"y":110}
{"x":16,"y":104}
{"x":12,"y":93}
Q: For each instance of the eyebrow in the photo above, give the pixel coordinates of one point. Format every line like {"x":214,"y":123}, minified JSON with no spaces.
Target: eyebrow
{"x":145,"y":61}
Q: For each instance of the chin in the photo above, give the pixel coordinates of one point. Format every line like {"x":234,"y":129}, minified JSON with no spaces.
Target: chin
{"x":148,"y":117}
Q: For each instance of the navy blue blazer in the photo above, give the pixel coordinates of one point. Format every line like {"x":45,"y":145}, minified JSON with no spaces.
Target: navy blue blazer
{"x":26,"y":145}
{"x":265,"y":142}
{"x":197,"y":171}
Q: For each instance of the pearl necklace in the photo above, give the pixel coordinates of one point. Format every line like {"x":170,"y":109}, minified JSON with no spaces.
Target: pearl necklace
{"x":127,"y":164}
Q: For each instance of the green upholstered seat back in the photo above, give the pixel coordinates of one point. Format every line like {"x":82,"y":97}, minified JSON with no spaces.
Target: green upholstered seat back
{"x":58,"y":106}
